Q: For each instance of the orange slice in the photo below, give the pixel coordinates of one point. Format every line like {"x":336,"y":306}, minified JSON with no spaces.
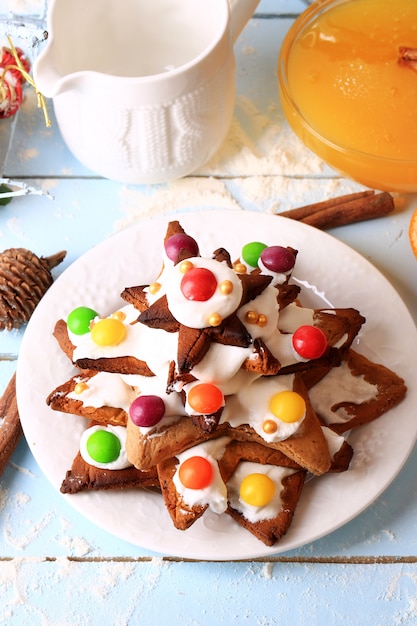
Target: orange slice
{"x":412,"y":232}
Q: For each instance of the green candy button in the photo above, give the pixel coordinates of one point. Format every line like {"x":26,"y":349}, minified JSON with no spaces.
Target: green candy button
{"x":252,"y":251}
{"x":103,"y":446}
{"x":79,"y":319}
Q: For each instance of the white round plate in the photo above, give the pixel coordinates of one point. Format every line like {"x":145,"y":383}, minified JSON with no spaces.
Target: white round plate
{"x":331,"y":274}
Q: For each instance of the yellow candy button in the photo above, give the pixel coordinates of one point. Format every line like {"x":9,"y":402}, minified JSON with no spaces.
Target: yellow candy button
{"x":257,"y":489}
{"x":288,"y":406}
{"x":108,"y":332}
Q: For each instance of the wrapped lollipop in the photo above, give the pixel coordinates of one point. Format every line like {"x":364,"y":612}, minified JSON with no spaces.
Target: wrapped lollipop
{"x":14,"y":72}
{"x":12,"y":78}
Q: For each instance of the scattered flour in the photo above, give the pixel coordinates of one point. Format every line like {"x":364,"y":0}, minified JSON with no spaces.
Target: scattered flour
{"x":76,"y":546}
{"x":23,"y":470}
{"x":267,"y":570}
{"x":30,"y":153}
{"x":186,"y":193}
{"x":389,"y":534}
{"x":402,"y":584}
{"x":261,"y":144}
{"x":249,"y":50}
{"x":20,"y":538}
{"x":15,"y":228}
{"x":21,"y":498}
{"x":111,"y":574}
{"x":50,"y":183}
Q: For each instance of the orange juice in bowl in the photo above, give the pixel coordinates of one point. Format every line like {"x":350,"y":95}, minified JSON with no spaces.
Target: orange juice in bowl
{"x":348,"y":84}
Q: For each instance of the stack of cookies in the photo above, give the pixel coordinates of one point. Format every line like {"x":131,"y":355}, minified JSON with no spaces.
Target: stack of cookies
{"x":216,"y":387}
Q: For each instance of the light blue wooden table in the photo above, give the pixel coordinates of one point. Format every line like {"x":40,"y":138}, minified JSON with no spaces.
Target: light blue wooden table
{"x":56,"y":567}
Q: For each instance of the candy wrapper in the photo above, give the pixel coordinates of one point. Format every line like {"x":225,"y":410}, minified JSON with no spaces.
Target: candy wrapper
{"x":12,"y":79}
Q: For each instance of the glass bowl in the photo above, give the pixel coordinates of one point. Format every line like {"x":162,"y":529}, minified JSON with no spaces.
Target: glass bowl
{"x":349,"y":91}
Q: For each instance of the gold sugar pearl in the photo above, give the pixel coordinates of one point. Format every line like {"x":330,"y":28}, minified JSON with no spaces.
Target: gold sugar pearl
{"x":226,"y":287}
{"x":80,"y":387}
{"x":215,"y":319}
{"x":240,"y":268}
{"x":185,"y":266}
{"x":119,"y":315}
{"x":251,"y":317}
{"x":262,"y":320}
{"x":154,"y":288}
{"x":270,"y":427}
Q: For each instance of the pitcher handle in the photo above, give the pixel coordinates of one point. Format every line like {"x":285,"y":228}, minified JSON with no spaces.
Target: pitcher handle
{"x":240,"y":13}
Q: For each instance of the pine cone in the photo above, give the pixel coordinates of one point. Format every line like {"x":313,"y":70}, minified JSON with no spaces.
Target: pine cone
{"x":24,"y":279}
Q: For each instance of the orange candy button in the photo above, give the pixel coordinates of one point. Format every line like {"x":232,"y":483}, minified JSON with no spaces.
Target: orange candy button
{"x":196,"y":472}
{"x":205,"y":398}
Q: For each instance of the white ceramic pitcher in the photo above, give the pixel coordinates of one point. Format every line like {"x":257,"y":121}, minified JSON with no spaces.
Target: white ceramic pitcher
{"x":143,"y":90}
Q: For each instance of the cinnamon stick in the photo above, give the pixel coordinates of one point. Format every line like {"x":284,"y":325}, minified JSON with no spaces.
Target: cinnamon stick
{"x":348,"y":209}
{"x":10,"y":426}
{"x":309,"y":209}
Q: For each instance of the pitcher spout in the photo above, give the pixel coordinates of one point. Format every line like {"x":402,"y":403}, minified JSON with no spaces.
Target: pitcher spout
{"x":48,"y":79}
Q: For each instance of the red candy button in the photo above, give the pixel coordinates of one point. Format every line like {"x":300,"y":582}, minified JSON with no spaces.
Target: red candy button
{"x":278,"y":259}
{"x":309,"y":342}
{"x":198,"y":284}
{"x":180,"y":242}
{"x":147,"y":411}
